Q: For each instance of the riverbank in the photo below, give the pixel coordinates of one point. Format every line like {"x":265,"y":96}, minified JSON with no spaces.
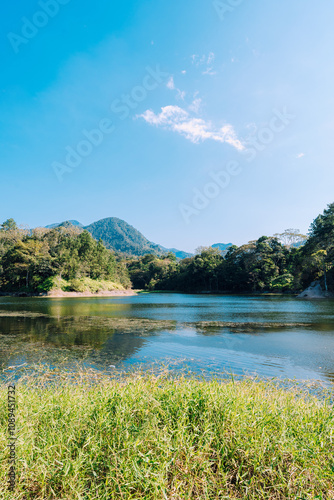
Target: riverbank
{"x":155,"y":436}
{"x":61,"y":294}
{"x":102,"y":293}
{"x":55,"y":286}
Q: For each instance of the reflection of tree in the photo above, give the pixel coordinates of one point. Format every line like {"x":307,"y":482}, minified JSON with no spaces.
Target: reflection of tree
{"x":123,"y":345}
{"x":86,"y":307}
{"x":43,"y":339}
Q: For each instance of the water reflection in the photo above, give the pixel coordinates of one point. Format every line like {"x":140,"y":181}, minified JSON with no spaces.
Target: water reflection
{"x":269,"y":336}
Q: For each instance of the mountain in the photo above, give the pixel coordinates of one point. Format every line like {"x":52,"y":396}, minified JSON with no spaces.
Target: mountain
{"x":119,"y":236}
{"x":180,"y":254}
{"x":223,"y":247}
{"x":65,"y":224}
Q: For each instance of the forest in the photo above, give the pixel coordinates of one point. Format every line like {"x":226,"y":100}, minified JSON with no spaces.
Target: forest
{"x":68,"y":257}
{"x":284,"y":263}
{"x":39,"y":260}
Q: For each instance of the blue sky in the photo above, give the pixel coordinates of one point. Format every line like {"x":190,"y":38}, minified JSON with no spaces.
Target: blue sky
{"x":216,"y":121}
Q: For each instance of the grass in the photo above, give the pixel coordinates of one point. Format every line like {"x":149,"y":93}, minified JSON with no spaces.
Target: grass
{"x":148,"y":436}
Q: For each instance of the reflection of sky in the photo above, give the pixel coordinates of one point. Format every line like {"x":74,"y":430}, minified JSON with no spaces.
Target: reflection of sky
{"x":83,"y":329}
{"x":211,"y":359}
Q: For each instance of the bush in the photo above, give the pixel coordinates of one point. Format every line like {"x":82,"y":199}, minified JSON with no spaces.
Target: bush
{"x":77,"y":285}
{"x":53,"y":283}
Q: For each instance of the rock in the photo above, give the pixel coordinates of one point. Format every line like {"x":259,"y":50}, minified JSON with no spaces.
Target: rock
{"x":314,"y":291}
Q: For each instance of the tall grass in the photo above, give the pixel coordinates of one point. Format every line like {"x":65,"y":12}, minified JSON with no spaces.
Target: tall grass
{"x":157,"y":437}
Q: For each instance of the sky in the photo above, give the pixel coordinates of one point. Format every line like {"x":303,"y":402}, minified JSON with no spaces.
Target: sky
{"x":197,"y":122}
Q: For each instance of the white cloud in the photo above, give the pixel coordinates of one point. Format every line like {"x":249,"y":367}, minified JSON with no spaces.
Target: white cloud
{"x":170,"y":84}
{"x":194,"y":129}
{"x":301,"y":155}
{"x":183,"y":72}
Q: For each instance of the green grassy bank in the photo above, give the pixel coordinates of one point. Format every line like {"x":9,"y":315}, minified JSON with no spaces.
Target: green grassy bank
{"x":154,"y":437}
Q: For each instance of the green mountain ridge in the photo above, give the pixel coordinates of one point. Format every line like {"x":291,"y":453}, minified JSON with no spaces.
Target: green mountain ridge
{"x":120,"y":236}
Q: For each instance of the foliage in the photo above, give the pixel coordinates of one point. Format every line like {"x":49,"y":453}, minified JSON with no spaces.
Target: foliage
{"x":9,"y":225}
{"x":252,"y":267}
{"x":149,"y":271}
{"x":34,"y":261}
{"x":318,"y":252}
{"x":283,"y":263}
{"x":53,"y":283}
{"x":291,"y":238}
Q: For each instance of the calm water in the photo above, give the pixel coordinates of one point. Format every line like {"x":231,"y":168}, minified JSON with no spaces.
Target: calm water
{"x":268,"y":336}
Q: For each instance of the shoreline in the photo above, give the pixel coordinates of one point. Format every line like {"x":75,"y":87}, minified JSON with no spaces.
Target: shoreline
{"x":102,"y":293}
{"x":60,"y":294}
{"x":308,"y":294}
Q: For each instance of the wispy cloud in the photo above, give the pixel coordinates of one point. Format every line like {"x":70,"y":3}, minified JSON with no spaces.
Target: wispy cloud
{"x":195,"y":105}
{"x":194,"y":129}
{"x":301,"y":155}
{"x":205,"y":60}
{"x":180,"y":94}
{"x":170,"y":84}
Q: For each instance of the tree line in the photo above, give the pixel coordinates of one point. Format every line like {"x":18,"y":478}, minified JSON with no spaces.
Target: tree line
{"x":30,"y":259}
{"x":288,"y":262}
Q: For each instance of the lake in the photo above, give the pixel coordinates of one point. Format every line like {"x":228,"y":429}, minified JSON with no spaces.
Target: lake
{"x":269,"y":336}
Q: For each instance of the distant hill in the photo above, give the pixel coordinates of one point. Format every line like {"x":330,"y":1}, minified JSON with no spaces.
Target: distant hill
{"x":119,"y":236}
{"x":298,"y":244}
{"x":223,"y":247}
{"x":65,"y":224}
{"x":178,"y":253}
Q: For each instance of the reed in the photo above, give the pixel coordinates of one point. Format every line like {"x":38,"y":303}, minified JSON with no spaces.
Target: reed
{"x":153,"y":436}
